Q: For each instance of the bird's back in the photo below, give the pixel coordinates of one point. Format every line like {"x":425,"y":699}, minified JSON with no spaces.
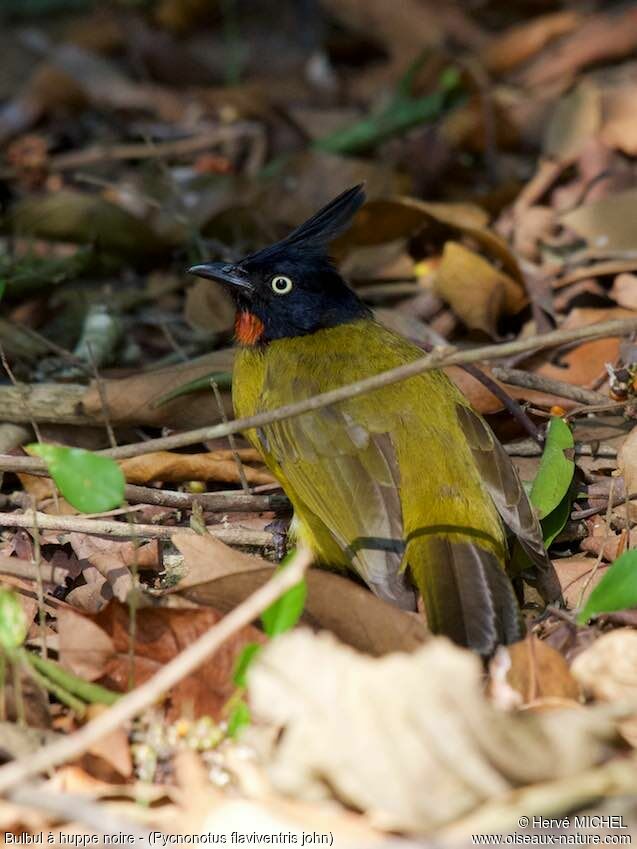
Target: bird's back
{"x":394,"y":463}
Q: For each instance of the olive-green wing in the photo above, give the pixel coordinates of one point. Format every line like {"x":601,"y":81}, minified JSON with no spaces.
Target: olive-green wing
{"x":347,"y":477}
{"x":504,"y":487}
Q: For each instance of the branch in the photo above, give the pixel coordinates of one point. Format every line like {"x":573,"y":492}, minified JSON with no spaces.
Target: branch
{"x":76,"y":744}
{"x":102,"y":527}
{"x":516,"y":377}
{"x":617,"y":327}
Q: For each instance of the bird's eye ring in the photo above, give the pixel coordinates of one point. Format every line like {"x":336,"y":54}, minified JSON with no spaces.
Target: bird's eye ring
{"x":281,"y":285}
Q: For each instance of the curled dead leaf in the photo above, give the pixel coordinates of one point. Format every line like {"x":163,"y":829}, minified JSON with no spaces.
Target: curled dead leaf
{"x":477,"y":291}
{"x":540,"y":674}
{"x":607,"y":671}
{"x":172,"y":467}
{"x":340,"y":709}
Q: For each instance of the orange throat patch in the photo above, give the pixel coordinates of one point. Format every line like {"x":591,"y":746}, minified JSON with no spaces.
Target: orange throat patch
{"x":248,"y":329}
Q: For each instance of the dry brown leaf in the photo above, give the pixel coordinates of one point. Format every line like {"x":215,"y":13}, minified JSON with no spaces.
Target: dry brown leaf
{"x":575,"y":119}
{"x":609,"y":225}
{"x":477,"y":292}
{"x":398,"y":217}
{"x":339,"y":709}
{"x":114,"y":748}
{"x":585,"y":363}
{"x":114,"y":559}
{"x":84,"y":648}
{"x":160,"y":635}
{"x":627,"y":462}
{"x":575,"y":573}
{"x":601,"y":36}
{"x":624,"y":290}
{"x":540,"y":673}
{"x":520,"y":42}
{"x":171,"y":467}
{"x":221,"y":577}
{"x":607,"y":671}
{"x":620,"y":123}
{"x":134,"y":400}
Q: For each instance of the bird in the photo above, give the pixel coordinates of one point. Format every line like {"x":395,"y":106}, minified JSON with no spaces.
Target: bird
{"x":406,"y":486}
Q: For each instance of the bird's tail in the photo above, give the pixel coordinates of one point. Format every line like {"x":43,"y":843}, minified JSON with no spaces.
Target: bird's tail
{"x":467,"y":594}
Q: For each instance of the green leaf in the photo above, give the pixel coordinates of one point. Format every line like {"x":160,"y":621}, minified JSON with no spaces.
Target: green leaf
{"x":286,"y":611}
{"x":556,"y":469}
{"x":3,"y":286}
{"x":238,"y":719}
{"x":13,"y":622}
{"x":89,"y":482}
{"x":248,"y":653}
{"x":616,"y":591}
{"x":554,"y":523}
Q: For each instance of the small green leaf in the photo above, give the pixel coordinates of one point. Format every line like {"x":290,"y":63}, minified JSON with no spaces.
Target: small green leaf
{"x":13,"y":622}
{"x":89,"y":482}
{"x":556,"y":469}
{"x":554,"y":523}
{"x":238,"y":719}
{"x":286,"y":611}
{"x":3,"y":286}
{"x":248,"y":653}
{"x":616,"y":591}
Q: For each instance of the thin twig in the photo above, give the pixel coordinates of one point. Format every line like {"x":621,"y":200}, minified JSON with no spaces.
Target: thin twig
{"x":245,"y":486}
{"x":517,"y":377}
{"x":76,"y":744}
{"x":27,"y":569}
{"x":510,"y":403}
{"x":101,"y":391}
{"x":616,"y":327}
{"x":527,"y":448}
{"x":227,"y":501}
{"x":579,"y":515}
{"x":37,"y":558}
{"x":600,"y":556}
{"x":68,"y":524}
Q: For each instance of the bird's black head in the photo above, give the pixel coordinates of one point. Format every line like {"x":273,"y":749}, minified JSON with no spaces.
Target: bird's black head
{"x":292,"y":288}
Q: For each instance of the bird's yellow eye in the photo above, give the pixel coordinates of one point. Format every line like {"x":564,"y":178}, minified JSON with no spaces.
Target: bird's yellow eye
{"x":281,"y":285}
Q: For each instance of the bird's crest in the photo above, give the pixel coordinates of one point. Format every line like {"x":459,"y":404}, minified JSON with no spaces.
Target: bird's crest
{"x":315,"y":234}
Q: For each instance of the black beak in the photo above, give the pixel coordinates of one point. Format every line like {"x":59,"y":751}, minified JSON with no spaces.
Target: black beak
{"x":229,"y":275}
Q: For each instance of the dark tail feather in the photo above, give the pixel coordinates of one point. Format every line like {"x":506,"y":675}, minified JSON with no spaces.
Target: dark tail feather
{"x":467,"y":594}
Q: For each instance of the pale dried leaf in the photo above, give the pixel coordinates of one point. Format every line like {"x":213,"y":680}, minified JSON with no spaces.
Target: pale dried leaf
{"x":339,"y":709}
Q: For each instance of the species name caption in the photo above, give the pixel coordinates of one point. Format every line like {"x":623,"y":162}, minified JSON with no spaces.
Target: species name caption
{"x":159,"y":838}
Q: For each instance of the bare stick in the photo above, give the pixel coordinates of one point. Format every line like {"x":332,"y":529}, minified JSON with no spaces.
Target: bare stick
{"x":600,"y":556}
{"x":74,"y":745}
{"x":616,"y":327}
{"x":103,"y":399}
{"x":227,"y":502}
{"x":67,"y":524}
{"x":510,"y":403}
{"x":39,"y":582}
{"x":528,"y":448}
{"x":28,"y":569}
{"x":516,"y":377}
